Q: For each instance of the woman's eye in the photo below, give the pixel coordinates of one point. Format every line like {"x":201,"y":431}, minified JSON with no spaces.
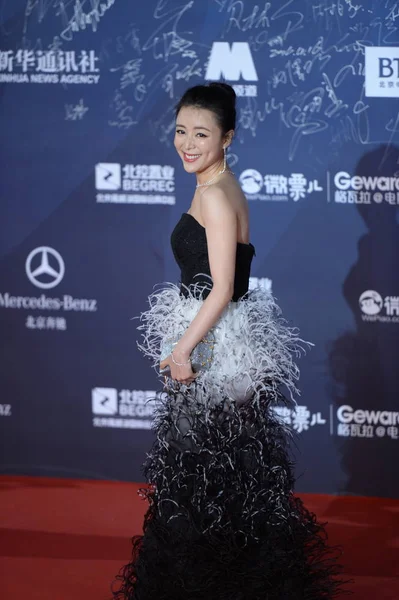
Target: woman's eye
{"x":182,"y":132}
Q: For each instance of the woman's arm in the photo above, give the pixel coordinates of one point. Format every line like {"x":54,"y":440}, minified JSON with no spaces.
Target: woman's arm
{"x":221,"y":232}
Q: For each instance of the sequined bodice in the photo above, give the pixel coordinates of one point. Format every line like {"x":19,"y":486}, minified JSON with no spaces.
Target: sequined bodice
{"x":190,"y":250}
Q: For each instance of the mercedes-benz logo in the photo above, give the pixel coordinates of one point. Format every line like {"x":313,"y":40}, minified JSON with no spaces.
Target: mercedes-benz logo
{"x":53,"y":270}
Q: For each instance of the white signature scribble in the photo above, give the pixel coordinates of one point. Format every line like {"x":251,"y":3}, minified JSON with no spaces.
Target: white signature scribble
{"x":74,"y":15}
{"x":393,"y":13}
{"x":320,"y":109}
{"x":236,"y":19}
{"x":123,"y":112}
{"x":189,"y":71}
{"x":121,"y":45}
{"x":164,"y":126}
{"x":131,"y":76}
{"x":336,"y":103}
{"x":261,"y":18}
{"x":312,"y":55}
{"x":165,"y":41}
{"x":337,"y":9}
{"x":301,"y":116}
{"x":75,"y":112}
{"x":82,"y":20}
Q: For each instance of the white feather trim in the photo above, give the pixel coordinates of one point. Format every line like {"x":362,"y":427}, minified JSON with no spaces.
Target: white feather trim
{"x":254,"y":347}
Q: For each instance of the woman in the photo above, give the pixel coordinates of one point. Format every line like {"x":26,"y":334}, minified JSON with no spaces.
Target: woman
{"x":222,"y":522}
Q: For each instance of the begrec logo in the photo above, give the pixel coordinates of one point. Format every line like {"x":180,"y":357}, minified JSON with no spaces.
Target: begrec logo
{"x":370,"y":302}
{"x":251,"y":181}
{"x":231,"y":63}
{"x":108,"y":176}
{"x":45,"y":267}
{"x":104,"y":401}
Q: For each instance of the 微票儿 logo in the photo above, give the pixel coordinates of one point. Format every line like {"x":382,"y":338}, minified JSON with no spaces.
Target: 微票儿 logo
{"x":251,"y":181}
{"x":370,"y":302}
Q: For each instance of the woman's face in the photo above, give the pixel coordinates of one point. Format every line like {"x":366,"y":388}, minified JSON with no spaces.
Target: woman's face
{"x":198,"y":139}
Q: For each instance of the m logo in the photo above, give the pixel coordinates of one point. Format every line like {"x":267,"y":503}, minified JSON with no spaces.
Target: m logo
{"x":231,"y":64}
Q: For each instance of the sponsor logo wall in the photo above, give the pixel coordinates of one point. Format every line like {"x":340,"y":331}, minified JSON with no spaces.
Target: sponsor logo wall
{"x":277,"y":188}
{"x":346,"y":421}
{"x":382,"y":72}
{"x":375,"y":309}
{"x":45,"y":269}
{"x":131,"y":409}
{"x":358,"y":189}
{"x":234,"y":63}
{"x":49,"y":66}
{"x":135,"y":184}
{"x":359,"y":423}
{"x":92,"y":188}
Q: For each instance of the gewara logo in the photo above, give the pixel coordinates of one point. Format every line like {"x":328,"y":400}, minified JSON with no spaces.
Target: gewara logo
{"x":344,"y":181}
{"x":346,"y":414}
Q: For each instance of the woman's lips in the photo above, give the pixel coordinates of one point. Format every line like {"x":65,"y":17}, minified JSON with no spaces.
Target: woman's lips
{"x":190,"y":157}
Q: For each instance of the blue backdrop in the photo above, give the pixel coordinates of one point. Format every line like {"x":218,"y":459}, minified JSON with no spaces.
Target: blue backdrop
{"x":91,"y":188}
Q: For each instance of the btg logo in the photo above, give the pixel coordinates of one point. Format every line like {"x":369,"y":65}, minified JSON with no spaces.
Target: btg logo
{"x":251,"y":181}
{"x":370,"y":302}
{"x":45,"y":267}
{"x":388,"y":67}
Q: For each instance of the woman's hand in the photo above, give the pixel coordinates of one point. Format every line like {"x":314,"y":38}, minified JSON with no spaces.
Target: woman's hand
{"x":183,"y":373}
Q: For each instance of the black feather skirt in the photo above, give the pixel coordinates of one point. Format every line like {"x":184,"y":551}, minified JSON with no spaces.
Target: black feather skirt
{"x":223,"y":522}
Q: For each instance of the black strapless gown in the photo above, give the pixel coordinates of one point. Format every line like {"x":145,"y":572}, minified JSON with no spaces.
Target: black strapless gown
{"x":223,"y":522}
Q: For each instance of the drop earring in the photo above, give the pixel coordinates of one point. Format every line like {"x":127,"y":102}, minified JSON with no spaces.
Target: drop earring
{"x":217,"y":175}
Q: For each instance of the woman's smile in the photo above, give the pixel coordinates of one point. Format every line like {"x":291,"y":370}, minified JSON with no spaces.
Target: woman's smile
{"x":190,"y":157}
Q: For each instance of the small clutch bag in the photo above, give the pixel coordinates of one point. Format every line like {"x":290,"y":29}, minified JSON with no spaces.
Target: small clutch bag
{"x":201,"y":357}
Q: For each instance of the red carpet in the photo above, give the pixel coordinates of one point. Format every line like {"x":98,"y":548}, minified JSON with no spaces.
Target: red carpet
{"x":64,"y":539}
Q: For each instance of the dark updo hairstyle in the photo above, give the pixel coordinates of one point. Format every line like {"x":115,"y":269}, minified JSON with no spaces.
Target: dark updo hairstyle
{"x":218,"y":97}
